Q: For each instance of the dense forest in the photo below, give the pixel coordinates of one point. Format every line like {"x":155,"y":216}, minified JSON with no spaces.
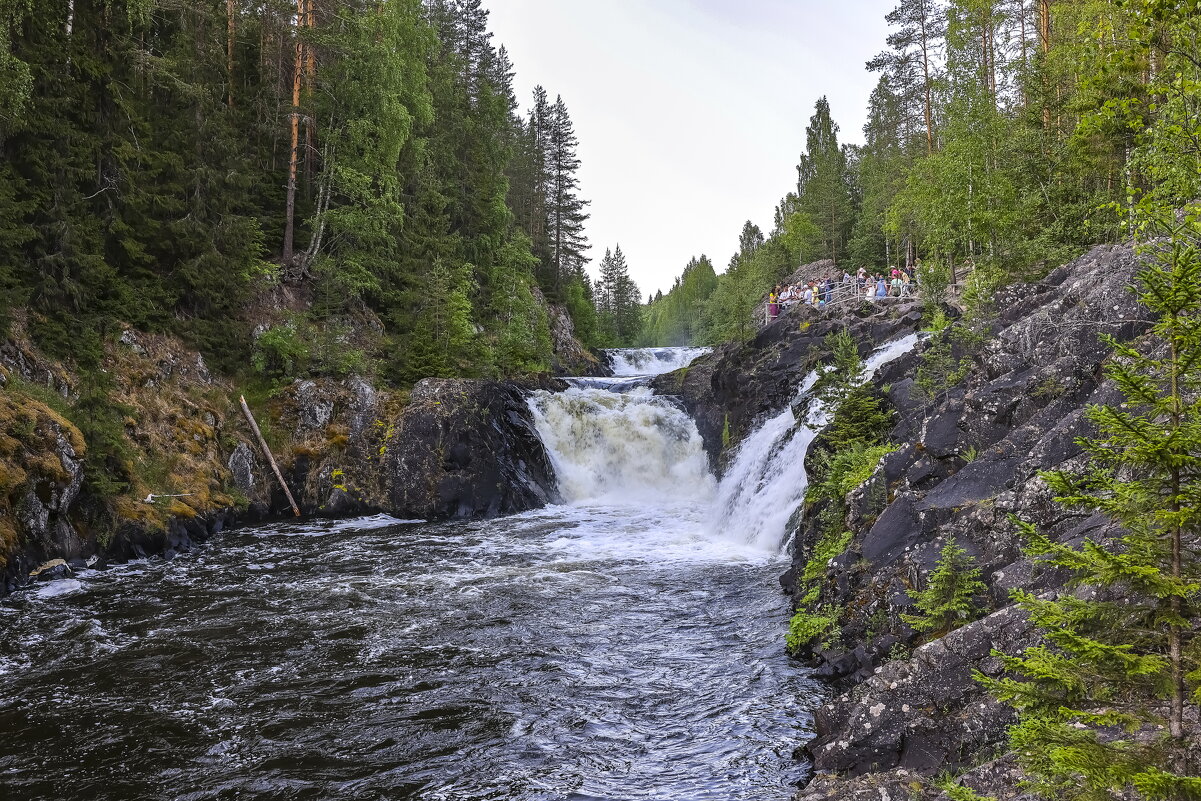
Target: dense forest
{"x":361,"y":164}
{"x":1003,"y":137}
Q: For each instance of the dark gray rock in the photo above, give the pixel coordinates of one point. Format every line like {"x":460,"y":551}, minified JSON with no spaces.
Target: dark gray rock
{"x":466,"y":449}
{"x":914,"y":713}
{"x":242,"y":467}
{"x":967,"y":461}
{"x":897,"y":529}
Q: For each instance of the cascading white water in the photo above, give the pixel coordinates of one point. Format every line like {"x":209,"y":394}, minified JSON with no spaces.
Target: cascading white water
{"x":621,"y":447}
{"x":651,"y":361}
{"x":613,"y":450}
{"x":767,"y":480}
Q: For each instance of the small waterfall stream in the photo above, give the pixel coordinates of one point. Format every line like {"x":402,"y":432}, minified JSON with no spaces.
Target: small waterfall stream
{"x":766,"y":481}
{"x":651,"y":361}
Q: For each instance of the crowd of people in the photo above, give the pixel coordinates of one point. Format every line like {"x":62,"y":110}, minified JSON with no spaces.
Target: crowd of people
{"x":895,"y":282}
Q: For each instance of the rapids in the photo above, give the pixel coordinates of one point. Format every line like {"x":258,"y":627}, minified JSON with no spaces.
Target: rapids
{"x":651,"y":361}
{"x":627,"y":644}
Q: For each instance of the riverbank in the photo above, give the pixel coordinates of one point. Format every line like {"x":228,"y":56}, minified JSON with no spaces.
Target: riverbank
{"x":150,"y":454}
{"x":978,"y":411}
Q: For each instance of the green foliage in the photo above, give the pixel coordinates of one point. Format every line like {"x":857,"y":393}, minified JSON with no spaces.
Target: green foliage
{"x":846,"y":469}
{"x":949,"y":600}
{"x":934,"y":277}
{"x":146,"y":156}
{"x":618,"y":303}
{"x":957,"y":792}
{"x":676,"y":318}
{"x":832,"y":543}
{"x":854,"y":446}
{"x":577,"y":298}
{"x":805,"y":627}
{"x":947,"y":359}
{"x":725,"y":432}
{"x":825,"y":207}
{"x":279,"y":351}
{"x":1121,"y":653}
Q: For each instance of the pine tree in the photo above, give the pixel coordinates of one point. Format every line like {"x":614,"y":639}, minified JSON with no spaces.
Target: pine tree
{"x":565,"y":208}
{"x":912,"y":63}
{"x":949,"y":600}
{"x":1121,"y":652}
{"x":823,"y":191}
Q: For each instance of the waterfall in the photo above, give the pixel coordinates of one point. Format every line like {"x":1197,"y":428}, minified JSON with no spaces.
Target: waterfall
{"x":629,"y":447}
{"x":616,"y":443}
{"x":766,"y":482}
{"x":651,"y":361}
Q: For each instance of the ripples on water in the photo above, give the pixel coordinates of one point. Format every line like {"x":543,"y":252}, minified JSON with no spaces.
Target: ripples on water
{"x":574,"y":653}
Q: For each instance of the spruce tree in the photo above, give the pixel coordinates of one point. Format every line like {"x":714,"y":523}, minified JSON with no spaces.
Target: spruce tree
{"x":948,"y":601}
{"x":1121,"y":655}
{"x":565,"y":208}
{"x":823,"y":190}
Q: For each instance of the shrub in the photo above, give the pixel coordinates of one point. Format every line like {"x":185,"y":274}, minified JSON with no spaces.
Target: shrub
{"x":805,"y":627}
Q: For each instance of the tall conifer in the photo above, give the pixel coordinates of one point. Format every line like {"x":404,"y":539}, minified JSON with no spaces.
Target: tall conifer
{"x":1102,"y":704}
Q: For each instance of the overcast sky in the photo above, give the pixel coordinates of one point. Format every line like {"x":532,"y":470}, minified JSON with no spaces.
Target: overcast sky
{"x":691,"y":114}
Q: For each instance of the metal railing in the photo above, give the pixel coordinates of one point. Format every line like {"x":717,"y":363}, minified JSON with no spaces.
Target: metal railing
{"x":842,"y":297}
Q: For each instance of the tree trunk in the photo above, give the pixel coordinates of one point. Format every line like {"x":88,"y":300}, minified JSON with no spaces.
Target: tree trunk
{"x":926,"y":79}
{"x":1044,"y":36}
{"x":230,"y":30}
{"x":1175,"y":652}
{"x":310,"y":80}
{"x":290,"y":210}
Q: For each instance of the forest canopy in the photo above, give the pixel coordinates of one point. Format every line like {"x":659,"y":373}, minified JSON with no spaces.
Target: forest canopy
{"x":1003,"y":137}
{"x":358,"y":165}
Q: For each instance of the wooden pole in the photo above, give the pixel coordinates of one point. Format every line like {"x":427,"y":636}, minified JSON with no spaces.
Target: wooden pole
{"x":267,"y":452}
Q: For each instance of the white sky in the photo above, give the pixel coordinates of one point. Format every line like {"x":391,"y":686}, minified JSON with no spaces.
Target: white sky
{"x":691,"y":114}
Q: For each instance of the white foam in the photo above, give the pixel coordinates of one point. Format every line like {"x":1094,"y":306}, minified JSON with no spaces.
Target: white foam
{"x":627,"y":448}
{"x":652,"y":361}
{"x":58,"y":588}
{"x":766,"y":482}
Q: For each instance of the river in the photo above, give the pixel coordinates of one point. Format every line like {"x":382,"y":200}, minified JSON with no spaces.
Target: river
{"x":626,"y":644}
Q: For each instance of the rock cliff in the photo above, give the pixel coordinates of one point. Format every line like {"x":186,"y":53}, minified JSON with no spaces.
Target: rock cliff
{"x":970,"y":447}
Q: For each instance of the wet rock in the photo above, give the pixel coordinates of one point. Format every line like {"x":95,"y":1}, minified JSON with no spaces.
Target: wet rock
{"x":737,"y":386}
{"x":466,"y":449}
{"x":49,"y":571}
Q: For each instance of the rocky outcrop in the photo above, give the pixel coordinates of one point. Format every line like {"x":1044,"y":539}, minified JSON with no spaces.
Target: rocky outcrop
{"x":41,"y":474}
{"x":190,"y":467}
{"x":969,"y":458}
{"x":466,"y":449}
{"x":569,"y":356}
{"x":735,"y":386}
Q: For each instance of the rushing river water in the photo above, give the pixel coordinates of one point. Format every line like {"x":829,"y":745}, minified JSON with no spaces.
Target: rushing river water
{"x":627,"y":644}
{"x":576,"y":652}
